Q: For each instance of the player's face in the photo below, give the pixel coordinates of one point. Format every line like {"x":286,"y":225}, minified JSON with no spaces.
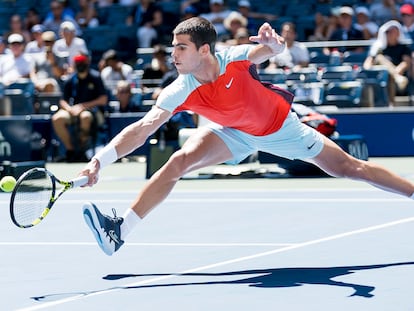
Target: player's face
{"x":185,"y":55}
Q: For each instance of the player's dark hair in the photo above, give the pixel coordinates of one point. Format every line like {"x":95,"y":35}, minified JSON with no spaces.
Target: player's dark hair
{"x":200,"y":30}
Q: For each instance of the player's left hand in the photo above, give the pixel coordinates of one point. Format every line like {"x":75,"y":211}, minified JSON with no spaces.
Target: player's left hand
{"x":268,"y":36}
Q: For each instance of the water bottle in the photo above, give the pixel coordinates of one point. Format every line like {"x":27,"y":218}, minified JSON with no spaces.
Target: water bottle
{"x":335,"y":58}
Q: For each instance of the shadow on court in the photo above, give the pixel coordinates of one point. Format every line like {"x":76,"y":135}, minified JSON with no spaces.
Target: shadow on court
{"x":260,"y":278}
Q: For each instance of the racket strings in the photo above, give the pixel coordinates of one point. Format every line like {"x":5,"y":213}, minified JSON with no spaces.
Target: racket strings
{"x":32,"y":197}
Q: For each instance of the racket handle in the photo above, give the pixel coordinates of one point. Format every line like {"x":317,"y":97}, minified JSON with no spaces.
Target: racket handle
{"x":79,"y":181}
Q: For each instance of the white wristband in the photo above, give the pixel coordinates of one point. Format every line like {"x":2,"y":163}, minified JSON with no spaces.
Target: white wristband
{"x":277,"y":48}
{"x":106,"y":156}
{"x":412,"y":196}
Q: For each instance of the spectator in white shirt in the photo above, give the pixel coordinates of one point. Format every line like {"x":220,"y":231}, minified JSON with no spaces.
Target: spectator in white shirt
{"x":15,"y":65}
{"x":365,"y":24}
{"x":37,"y":45}
{"x":67,"y":47}
{"x":114,"y":70}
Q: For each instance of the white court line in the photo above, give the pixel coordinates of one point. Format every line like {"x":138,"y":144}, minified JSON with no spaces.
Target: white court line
{"x":263,"y":188}
{"x":144,"y":244}
{"x":255,"y":200}
{"x":219,"y":264}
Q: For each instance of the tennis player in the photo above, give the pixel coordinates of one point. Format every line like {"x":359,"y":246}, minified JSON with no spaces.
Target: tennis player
{"x":248,"y":116}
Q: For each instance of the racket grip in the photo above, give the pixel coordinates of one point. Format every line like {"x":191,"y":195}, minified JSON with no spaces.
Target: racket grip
{"x":79,"y":181}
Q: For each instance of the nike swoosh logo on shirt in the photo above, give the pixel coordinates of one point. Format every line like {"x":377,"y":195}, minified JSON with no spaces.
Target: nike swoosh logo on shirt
{"x":229,"y":84}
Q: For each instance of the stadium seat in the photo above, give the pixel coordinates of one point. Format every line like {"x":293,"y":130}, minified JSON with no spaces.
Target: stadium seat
{"x":170,"y":7}
{"x":144,"y":57}
{"x":99,"y":40}
{"x":374,"y":82}
{"x":303,"y":75}
{"x":337,"y":73}
{"x":305,"y":26}
{"x":296,"y":9}
{"x":352,"y":58}
{"x":117,"y":14}
{"x":308,"y":94}
{"x":343,"y":94}
{"x":47,"y":103}
{"x":5,"y":14}
{"x":127,"y":42}
{"x":318,"y":59}
{"x":275,"y":76}
{"x":324,"y":8}
{"x":20,"y":94}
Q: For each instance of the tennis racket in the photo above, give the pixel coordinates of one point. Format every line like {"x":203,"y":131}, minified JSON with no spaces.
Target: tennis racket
{"x":35,"y":193}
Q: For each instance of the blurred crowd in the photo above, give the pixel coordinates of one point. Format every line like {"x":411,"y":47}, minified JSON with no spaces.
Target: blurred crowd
{"x":50,"y":49}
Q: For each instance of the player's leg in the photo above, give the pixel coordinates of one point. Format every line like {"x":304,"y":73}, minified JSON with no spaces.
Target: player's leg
{"x":202,"y":149}
{"x":336,"y":162}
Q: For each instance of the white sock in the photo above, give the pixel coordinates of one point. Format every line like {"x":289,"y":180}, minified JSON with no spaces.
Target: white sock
{"x":131,"y":219}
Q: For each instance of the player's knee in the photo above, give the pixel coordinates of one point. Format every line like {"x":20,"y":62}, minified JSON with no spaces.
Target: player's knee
{"x":178,"y":164}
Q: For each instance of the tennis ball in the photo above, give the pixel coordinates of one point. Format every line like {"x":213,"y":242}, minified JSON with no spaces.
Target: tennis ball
{"x":7,"y":183}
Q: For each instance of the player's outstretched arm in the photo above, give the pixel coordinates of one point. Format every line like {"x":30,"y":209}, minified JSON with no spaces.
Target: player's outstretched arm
{"x":270,"y":44}
{"x":135,"y":135}
{"x":129,"y":139}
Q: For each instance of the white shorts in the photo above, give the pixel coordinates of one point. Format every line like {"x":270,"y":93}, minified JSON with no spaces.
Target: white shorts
{"x":294,"y":140}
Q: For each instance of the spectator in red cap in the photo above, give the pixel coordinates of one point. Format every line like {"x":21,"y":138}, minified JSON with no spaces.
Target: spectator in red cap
{"x":407,"y":21}
{"x":83,"y":94}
